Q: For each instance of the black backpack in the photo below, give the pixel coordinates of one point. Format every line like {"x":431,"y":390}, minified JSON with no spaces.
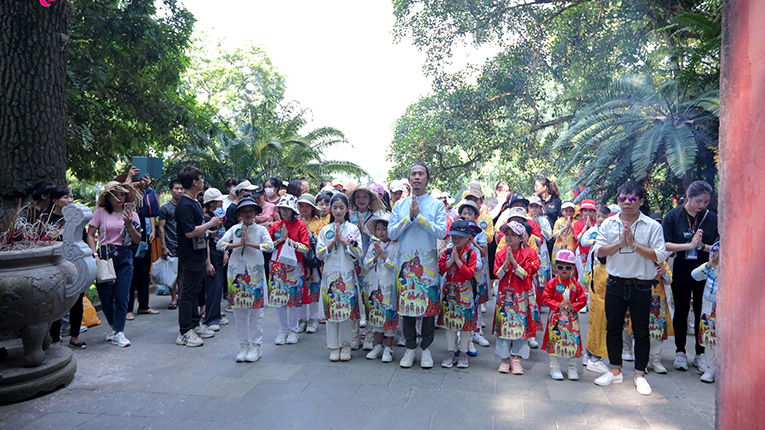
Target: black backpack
{"x":310,"y":260}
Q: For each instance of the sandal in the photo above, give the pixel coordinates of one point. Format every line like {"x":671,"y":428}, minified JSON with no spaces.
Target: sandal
{"x":172,"y":306}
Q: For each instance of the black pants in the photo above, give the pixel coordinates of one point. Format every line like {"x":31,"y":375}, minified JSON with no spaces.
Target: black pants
{"x":623,"y":294}
{"x":75,"y":321}
{"x":141,"y":270}
{"x":188,"y":305}
{"x":682,"y":294}
{"x":410,"y":331}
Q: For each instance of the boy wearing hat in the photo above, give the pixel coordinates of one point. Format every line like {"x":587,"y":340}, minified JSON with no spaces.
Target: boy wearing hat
{"x":565,"y":297}
{"x":309,"y":312}
{"x":380,"y":285}
{"x":246,"y":277}
{"x":469,"y":211}
{"x":458,"y":306}
{"x":214,"y":281}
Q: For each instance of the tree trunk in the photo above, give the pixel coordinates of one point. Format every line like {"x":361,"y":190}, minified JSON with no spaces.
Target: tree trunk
{"x":33,"y":116}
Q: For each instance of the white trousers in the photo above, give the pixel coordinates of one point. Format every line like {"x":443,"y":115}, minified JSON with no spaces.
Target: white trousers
{"x":656,"y":348}
{"x":249,"y":324}
{"x":312,"y":310}
{"x":556,"y":360}
{"x":338,"y":333}
{"x":288,"y":319}
{"x":451,"y":340}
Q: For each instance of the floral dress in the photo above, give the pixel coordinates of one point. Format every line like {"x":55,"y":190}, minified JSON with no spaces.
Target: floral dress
{"x":513,"y":318}
{"x":708,"y":319}
{"x":312,"y":289}
{"x":380,"y":286}
{"x":458,"y":303}
{"x":544,"y":274}
{"x":659,"y":320}
{"x":285,"y":288}
{"x":246,"y":275}
{"x":562,"y":337}
{"x":339,"y":284}
{"x":563,"y":240}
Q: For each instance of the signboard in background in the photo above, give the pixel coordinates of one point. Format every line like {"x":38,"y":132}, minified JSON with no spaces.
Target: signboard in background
{"x":150,"y":165}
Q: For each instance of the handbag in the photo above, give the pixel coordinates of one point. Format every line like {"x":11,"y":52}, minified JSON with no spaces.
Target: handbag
{"x":310,"y":259}
{"x":105,"y":267}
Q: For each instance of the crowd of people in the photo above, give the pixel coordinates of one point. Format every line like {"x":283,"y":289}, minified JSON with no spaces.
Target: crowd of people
{"x":375,"y":263}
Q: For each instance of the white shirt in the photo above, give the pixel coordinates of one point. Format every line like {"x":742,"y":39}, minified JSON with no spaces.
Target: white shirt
{"x":626,"y":263}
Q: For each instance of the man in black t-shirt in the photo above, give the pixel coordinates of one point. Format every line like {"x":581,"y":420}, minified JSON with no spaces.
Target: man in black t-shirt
{"x":192,"y":253}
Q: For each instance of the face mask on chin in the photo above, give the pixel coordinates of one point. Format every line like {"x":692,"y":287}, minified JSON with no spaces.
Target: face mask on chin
{"x":270,"y":191}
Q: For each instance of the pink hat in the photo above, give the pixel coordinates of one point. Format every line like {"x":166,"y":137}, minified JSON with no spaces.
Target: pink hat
{"x":588,"y":204}
{"x":535,"y":200}
{"x":565,"y":255}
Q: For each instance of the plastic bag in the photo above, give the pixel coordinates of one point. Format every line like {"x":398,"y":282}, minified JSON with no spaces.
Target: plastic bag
{"x":287,"y":256}
{"x":164,"y":272}
{"x":89,"y":314}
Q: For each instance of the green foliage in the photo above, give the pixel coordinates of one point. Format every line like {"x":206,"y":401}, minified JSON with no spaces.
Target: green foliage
{"x":126,"y":61}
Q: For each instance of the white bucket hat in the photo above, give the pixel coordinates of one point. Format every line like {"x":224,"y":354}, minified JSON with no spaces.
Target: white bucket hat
{"x":288,"y":201}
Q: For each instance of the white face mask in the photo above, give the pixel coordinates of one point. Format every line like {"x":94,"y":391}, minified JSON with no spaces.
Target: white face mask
{"x":270,"y":191}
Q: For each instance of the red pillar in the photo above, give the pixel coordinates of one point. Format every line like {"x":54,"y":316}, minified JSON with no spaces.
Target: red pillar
{"x":740,"y":396}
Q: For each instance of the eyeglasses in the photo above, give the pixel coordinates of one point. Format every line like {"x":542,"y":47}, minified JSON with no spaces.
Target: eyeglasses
{"x":631,"y":199}
{"x":566,"y":267}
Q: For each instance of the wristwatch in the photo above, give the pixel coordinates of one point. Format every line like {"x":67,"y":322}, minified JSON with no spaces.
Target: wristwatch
{"x":94,"y":255}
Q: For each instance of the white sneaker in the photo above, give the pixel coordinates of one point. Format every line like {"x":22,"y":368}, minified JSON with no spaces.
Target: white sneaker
{"x":302,"y":324}
{"x":387,"y":355}
{"x":281,"y":339}
{"x":681,"y":361}
{"x":608,"y":378}
{"x":471,"y":349}
{"x":700,"y":363}
{"x":408,"y":359}
{"x":120,"y":340}
{"x":292,"y":338}
{"x":573,"y":375}
{"x":479,"y":339}
{"x":253,"y":354}
{"x":643,"y":387}
{"x":189,"y":339}
{"x":462,"y":361}
{"x":369,"y":343}
{"x":555,"y":372}
{"x":627,"y":356}
{"x":426,"y":360}
{"x":334,"y":354}
{"x":345,"y":352}
{"x":597,"y":366}
{"x":109,"y":335}
{"x":214,"y":327}
{"x":533,"y":344}
{"x":375,"y":353}
{"x":223,"y":321}
{"x":243,"y":348}
{"x":356,"y":342}
{"x":203,"y":331}
{"x":310,"y":326}
{"x":709,"y":375}
{"x":483,"y":308}
{"x":401,"y":341}
{"x":655,"y":364}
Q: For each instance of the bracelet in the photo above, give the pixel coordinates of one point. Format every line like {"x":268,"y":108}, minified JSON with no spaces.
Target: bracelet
{"x":701,"y":246}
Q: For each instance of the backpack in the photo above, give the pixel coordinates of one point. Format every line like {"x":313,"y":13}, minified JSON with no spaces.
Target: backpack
{"x":310,"y":259}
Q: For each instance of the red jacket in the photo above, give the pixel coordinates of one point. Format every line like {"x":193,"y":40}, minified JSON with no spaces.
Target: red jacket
{"x":527,"y":259}
{"x":466,"y":272}
{"x":553,"y":299}
{"x":296,"y":230}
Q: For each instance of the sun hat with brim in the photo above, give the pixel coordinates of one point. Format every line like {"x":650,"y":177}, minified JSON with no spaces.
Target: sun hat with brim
{"x":310,"y":200}
{"x":476,"y":188}
{"x":470,"y":204}
{"x":248,"y":202}
{"x":213,"y":195}
{"x":113,"y":187}
{"x":375,"y":202}
{"x":244,"y":185}
{"x":336,"y":182}
{"x":588,"y":204}
{"x":516,"y":212}
{"x":459,"y":228}
{"x":372,"y":223}
{"x":535,"y":200}
{"x":568,"y":205}
{"x":565,"y":256}
{"x":472,"y":192}
{"x":288,"y":201}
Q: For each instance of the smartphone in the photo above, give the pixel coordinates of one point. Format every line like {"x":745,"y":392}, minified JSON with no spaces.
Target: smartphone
{"x":129,"y":207}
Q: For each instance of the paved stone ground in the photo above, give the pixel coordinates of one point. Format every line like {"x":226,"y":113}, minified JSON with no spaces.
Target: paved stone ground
{"x":155,"y":384}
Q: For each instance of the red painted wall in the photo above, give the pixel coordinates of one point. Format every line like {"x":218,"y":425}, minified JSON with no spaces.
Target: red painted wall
{"x":741,"y":298}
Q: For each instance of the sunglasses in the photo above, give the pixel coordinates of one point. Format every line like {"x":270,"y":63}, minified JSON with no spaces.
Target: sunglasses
{"x":631,"y":199}
{"x":566,"y":267}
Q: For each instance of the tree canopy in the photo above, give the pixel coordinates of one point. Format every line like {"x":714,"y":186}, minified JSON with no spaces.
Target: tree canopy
{"x":564,"y":71}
